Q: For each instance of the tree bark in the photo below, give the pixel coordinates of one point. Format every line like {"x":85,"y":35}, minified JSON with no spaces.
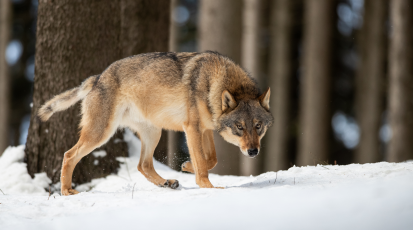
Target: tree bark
{"x":75,"y":39}
{"x":220,"y":30}
{"x":401,"y":81}
{"x":145,"y":28}
{"x":5,"y":28}
{"x":251,"y":60}
{"x":370,"y":81}
{"x":315,"y":82}
{"x":280,"y":76}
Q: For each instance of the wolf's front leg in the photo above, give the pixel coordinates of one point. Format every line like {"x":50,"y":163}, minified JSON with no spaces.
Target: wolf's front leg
{"x":208,"y":148}
{"x":150,"y":136}
{"x":200,"y":163}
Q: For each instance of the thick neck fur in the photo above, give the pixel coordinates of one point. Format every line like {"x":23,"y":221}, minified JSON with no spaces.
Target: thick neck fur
{"x":209,"y":74}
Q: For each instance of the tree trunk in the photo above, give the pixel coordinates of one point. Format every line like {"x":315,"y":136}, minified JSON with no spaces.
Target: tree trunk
{"x":370,"y":80}
{"x":145,"y":28}
{"x":401,"y":81}
{"x":173,"y":29}
{"x":315,"y":82}
{"x":174,"y":137}
{"x":220,"y":30}
{"x":5,"y":28}
{"x":75,"y":39}
{"x":281,"y":73}
{"x":251,"y":60}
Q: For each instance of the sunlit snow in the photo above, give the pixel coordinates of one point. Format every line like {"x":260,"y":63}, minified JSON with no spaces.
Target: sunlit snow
{"x":368,"y":196}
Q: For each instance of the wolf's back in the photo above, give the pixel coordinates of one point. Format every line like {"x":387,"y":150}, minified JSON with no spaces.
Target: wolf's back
{"x":64,"y":100}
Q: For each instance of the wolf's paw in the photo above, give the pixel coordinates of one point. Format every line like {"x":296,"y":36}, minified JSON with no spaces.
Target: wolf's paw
{"x":187,"y":167}
{"x":70,"y":191}
{"x":173,"y":184}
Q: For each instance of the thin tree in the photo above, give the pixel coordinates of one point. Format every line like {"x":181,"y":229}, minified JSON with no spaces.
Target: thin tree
{"x":251,"y":60}
{"x":5,"y":28}
{"x":370,"y":80}
{"x":220,"y":25}
{"x":75,"y":40}
{"x":145,"y":28}
{"x":401,"y":81}
{"x":173,"y":137}
{"x":280,"y":76}
{"x":173,"y":29}
{"x":315,"y":82}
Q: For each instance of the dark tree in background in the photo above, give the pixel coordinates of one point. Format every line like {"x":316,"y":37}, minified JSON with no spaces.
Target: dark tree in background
{"x":220,"y":25}
{"x":315,"y":80}
{"x":5,"y":25}
{"x":145,"y":26}
{"x":75,"y":40}
{"x":401,"y":81}
{"x":370,"y":80}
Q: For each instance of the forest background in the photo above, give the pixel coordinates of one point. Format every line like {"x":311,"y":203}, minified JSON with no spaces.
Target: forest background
{"x":340,"y":73}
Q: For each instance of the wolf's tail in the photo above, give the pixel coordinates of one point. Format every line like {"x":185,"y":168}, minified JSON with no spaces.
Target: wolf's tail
{"x":65,"y":100}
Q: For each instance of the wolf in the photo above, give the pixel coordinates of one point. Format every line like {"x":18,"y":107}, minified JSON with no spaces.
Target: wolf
{"x":192,"y":92}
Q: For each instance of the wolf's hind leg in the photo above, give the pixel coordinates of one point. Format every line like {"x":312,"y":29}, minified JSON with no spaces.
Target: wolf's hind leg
{"x":150,"y":136}
{"x":70,"y":159}
{"x":209,"y":150}
{"x":88,"y":141}
{"x":97,"y":129}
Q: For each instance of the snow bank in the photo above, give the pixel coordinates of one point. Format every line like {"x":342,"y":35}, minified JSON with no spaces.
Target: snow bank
{"x":368,"y":196}
{"x":14,"y":178}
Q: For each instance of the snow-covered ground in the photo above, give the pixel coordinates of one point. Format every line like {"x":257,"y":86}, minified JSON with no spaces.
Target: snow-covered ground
{"x":369,"y":196}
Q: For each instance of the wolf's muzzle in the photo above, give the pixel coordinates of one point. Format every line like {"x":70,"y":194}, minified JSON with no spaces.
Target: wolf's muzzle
{"x":252,"y":152}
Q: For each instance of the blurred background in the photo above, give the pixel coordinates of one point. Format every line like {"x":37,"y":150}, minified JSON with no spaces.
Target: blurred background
{"x":330,"y":65}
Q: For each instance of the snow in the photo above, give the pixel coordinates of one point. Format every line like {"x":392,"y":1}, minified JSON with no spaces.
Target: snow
{"x":14,"y":178}
{"x":367,"y":196}
{"x":101,"y":153}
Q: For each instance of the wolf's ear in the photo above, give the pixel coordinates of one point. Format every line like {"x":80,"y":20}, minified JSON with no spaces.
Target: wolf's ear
{"x":265,"y":99}
{"x":228,"y":101}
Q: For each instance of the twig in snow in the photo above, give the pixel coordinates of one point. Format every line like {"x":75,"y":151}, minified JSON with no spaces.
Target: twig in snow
{"x":324,"y":167}
{"x":49,"y":193}
{"x":2,"y":192}
{"x":133,"y":189}
{"x":92,"y":205}
{"x":127,"y":168}
{"x":276,"y":174}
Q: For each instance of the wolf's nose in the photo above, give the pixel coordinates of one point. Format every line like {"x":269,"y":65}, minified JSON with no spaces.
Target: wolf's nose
{"x":252,"y":152}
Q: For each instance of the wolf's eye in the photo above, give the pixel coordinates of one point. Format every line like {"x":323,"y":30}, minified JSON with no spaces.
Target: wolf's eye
{"x":258,"y":126}
{"x":239,"y":127}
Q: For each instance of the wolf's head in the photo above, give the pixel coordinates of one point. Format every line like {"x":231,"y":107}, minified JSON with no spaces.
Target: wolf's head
{"x":244,"y":122}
